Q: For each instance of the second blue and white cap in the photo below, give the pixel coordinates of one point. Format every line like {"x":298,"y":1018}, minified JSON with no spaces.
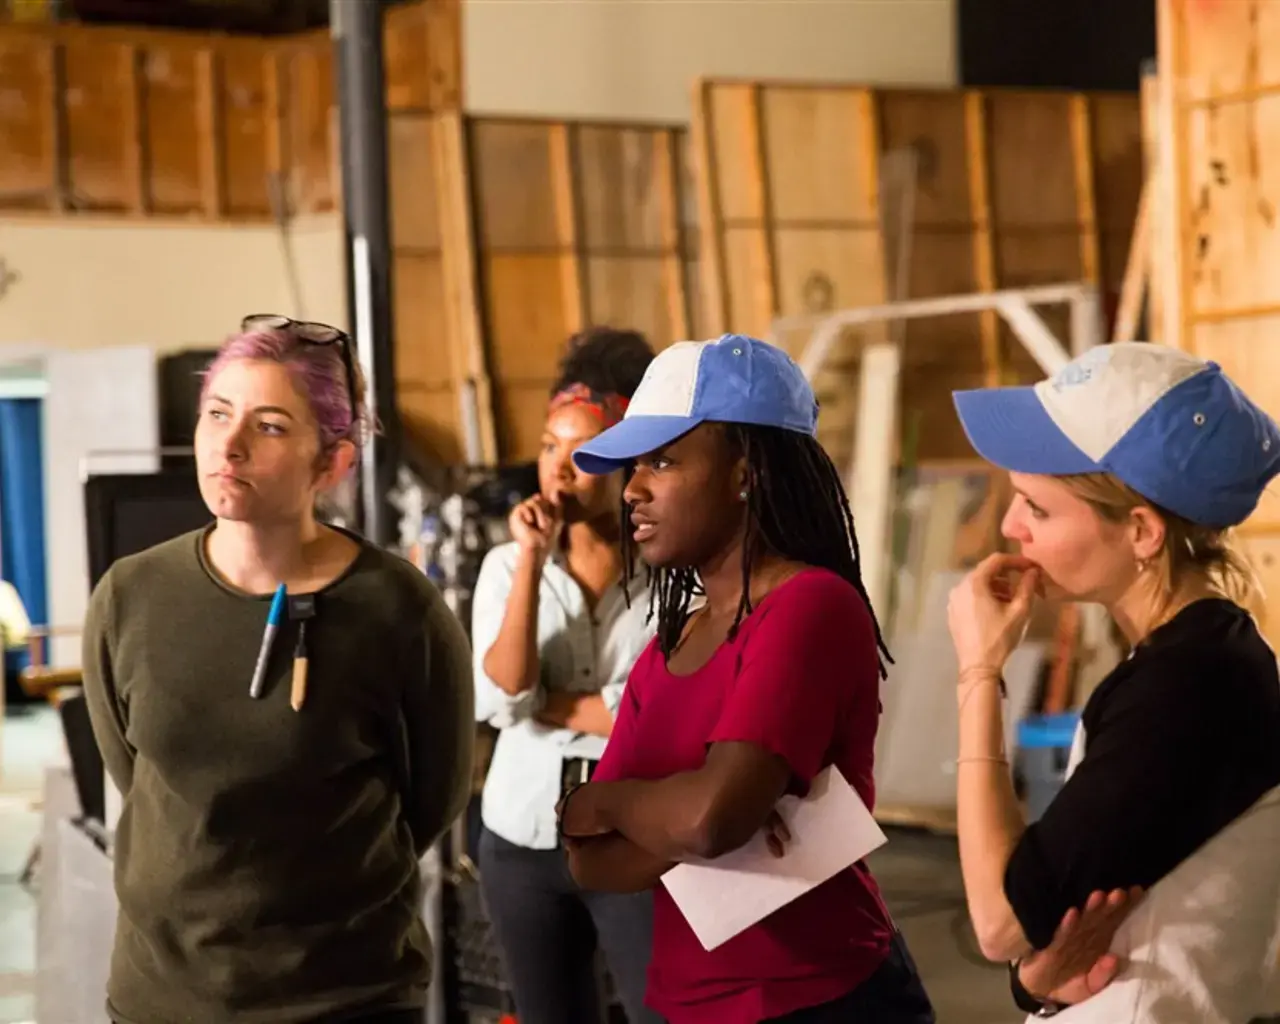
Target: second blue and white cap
{"x":733,"y":379}
{"x":1170,"y":425}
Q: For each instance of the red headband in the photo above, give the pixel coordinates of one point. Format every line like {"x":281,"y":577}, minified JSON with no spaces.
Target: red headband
{"x":610,"y":408}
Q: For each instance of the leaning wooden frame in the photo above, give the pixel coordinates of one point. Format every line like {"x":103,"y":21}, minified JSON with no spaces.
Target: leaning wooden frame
{"x":869,"y":477}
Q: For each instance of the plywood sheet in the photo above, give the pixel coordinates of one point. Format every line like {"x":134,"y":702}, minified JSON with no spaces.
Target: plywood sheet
{"x":807,"y":185}
{"x":1218,"y":126}
{"x":1233,"y":181}
{"x":577,"y":224}
{"x":28,"y":137}
{"x":179,"y":124}
{"x":170,"y":132}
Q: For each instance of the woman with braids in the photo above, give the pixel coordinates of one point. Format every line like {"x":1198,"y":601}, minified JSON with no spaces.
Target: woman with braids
{"x":772,"y":678}
{"x":555,"y":633}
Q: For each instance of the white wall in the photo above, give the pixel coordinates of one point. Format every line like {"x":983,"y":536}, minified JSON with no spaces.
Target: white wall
{"x":637,"y":59}
{"x":86,"y":283}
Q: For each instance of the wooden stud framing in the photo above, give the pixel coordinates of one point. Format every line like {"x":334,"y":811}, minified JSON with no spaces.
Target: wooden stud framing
{"x":984,"y":259}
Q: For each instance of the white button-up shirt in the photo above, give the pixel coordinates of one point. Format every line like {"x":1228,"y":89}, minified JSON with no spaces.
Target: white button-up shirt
{"x":577,"y":652}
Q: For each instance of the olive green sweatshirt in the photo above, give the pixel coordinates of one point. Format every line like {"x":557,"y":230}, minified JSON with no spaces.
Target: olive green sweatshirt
{"x":266,"y":859}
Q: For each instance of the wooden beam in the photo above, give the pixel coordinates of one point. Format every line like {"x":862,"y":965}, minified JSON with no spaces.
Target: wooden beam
{"x":710,"y":212}
{"x":1136,"y":275}
{"x":984,"y":260}
{"x":667,"y":156}
{"x":1086,"y":203}
{"x":764,"y":277}
{"x":456,"y":217}
{"x":135,"y":143}
{"x":209,"y":121}
{"x":276,"y":140}
{"x":53,"y":73}
{"x":568,"y":213}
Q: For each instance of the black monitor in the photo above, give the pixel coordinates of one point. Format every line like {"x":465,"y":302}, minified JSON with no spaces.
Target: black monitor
{"x":129,"y":512}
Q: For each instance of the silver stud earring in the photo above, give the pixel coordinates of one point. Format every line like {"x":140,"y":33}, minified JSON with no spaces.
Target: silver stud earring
{"x":742,"y":494}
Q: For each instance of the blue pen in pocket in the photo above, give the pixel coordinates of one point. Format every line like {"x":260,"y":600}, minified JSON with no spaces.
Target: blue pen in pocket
{"x":274,"y":618}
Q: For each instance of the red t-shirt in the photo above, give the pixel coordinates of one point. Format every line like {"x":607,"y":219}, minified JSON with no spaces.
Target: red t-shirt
{"x":800,"y":679}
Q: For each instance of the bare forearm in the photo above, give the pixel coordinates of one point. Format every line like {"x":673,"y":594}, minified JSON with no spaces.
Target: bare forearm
{"x":581,"y":712}
{"x":989,"y":819}
{"x":613,"y":863}
{"x":512,"y":661}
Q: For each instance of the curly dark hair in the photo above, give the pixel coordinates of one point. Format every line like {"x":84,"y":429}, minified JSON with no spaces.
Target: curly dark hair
{"x":608,"y":360}
{"x":796,"y":507}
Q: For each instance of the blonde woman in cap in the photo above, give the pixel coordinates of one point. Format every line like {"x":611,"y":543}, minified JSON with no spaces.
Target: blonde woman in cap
{"x":1129,"y":468}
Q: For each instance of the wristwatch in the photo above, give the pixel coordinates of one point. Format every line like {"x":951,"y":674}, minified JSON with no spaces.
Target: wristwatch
{"x":1034,"y":1005}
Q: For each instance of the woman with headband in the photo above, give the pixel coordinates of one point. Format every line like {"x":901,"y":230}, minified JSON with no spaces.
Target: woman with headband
{"x":287,"y":712}
{"x":555,"y":634}
{"x":1130,"y":467}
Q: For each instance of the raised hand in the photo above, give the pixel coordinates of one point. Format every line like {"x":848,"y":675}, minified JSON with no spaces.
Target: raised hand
{"x":535,"y":524}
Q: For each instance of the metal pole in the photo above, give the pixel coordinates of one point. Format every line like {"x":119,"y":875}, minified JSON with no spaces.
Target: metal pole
{"x":356,"y":26}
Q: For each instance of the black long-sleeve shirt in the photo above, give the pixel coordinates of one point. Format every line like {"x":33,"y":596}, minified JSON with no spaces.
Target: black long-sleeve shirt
{"x":1182,"y":738}
{"x":266,"y":860}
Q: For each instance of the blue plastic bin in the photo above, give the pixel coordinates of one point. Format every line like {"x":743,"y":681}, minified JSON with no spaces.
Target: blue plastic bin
{"x":1044,"y":746}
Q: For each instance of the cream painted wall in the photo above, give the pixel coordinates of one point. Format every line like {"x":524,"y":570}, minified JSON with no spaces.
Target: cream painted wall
{"x":87,"y":283}
{"x":637,"y":59}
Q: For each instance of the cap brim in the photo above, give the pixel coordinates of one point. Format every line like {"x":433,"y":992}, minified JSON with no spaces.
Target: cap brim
{"x":626,"y":441}
{"x":1010,"y":428}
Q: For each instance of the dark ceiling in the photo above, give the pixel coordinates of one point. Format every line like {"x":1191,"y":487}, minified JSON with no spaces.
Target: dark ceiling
{"x":253,"y":17}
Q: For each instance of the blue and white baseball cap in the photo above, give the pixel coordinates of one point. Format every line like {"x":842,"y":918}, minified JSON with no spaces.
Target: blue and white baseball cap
{"x":734,"y":379}
{"x":1172,"y":426}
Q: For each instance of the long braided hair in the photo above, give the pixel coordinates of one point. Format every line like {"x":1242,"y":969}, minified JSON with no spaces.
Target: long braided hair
{"x":796,"y":507}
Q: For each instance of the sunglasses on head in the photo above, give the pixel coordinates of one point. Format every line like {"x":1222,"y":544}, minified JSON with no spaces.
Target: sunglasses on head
{"x":312,"y":333}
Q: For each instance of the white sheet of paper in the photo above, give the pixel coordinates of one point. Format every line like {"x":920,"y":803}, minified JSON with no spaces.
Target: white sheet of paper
{"x":831,"y":829}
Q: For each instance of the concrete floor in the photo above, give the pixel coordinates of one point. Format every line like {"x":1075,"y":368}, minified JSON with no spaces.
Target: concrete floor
{"x":918,"y":872}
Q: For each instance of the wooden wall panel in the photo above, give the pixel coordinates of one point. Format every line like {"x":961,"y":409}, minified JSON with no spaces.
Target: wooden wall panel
{"x":171,"y":131}
{"x":577,"y":224}
{"x":28,"y":131}
{"x":1216,"y":114}
{"x":807,"y":186}
{"x":171,"y":124}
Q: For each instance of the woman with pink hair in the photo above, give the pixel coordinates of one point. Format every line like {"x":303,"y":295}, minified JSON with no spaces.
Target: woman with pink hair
{"x":287,"y":711}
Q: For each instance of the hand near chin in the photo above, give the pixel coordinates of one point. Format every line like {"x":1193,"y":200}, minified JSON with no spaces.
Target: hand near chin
{"x":989,"y":610}
{"x":535,"y":524}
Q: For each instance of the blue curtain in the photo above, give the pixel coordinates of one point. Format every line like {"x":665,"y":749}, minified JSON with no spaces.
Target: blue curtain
{"x":22,"y":551}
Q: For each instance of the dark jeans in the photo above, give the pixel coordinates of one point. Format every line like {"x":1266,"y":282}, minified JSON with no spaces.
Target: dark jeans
{"x":894,"y":994}
{"x":548,"y":929}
